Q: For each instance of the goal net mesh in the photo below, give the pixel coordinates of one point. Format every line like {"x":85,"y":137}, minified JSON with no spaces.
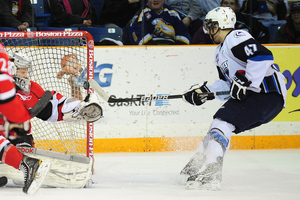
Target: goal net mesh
{"x":59,"y":64}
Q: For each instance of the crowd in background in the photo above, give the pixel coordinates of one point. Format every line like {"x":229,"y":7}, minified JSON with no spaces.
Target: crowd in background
{"x":161,"y":21}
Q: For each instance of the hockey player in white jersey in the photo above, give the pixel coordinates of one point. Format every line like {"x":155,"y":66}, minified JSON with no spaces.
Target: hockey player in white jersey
{"x":257,"y":95}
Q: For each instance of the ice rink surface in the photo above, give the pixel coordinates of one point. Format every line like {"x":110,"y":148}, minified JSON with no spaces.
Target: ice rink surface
{"x":247,"y":175}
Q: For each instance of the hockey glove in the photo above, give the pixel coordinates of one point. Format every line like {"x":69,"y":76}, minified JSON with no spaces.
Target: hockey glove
{"x":195,"y":96}
{"x":239,"y":86}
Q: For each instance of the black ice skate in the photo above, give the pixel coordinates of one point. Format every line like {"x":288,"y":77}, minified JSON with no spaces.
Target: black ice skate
{"x":207,"y":179}
{"x":35,"y":172}
{"x":3,"y":181}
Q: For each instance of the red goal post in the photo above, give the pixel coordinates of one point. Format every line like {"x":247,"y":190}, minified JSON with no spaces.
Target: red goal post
{"x":49,"y":50}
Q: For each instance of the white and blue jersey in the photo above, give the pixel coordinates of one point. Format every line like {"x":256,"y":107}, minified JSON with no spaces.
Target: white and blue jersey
{"x":241,"y":52}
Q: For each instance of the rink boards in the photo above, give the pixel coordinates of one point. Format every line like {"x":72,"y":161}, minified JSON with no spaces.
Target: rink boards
{"x":173,"y":125}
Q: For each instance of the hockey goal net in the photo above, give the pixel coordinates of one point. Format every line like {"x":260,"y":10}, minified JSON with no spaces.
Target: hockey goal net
{"x":62,"y":60}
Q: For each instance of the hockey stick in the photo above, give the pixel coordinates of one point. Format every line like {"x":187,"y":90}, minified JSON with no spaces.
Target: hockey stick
{"x":93,"y":84}
{"x":41,"y":104}
{"x":96,"y":87}
{"x":164,"y":97}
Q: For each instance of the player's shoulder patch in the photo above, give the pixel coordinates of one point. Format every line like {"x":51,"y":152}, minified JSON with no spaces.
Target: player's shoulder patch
{"x":238,"y":34}
{"x":236,"y":37}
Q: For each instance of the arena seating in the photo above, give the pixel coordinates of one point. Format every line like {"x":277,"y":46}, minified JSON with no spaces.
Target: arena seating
{"x":273,"y":26}
{"x":98,"y":4}
{"x":99,"y":33}
{"x":42,"y":16}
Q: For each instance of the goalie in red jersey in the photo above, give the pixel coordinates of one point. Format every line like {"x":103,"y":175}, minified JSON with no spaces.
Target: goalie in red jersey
{"x":58,"y":108}
{"x":15,"y":113}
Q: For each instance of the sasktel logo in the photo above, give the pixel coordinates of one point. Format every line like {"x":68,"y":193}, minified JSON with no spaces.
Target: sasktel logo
{"x":152,"y":100}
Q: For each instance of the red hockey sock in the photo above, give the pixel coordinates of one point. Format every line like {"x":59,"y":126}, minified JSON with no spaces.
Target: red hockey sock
{"x":12,"y":157}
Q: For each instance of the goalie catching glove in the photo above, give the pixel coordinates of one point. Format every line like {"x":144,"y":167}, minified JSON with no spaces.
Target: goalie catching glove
{"x":196,"y":96}
{"x":89,"y":109}
{"x":238,"y":89}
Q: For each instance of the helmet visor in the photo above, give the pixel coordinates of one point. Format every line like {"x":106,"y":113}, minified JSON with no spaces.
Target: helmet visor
{"x":208,"y":25}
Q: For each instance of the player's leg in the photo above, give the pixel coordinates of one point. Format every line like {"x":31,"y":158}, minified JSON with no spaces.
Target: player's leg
{"x":18,"y":141}
{"x":255,"y":110}
{"x":213,"y":147}
{"x":34,"y":169}
{"x":237,"y":116}
{"x":35,"y":172}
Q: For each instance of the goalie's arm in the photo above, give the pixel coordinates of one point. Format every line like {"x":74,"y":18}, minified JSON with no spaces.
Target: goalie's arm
{"x":24,"y":127}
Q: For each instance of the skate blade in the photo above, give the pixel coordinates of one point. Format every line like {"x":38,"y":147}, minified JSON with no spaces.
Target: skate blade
{"x":39,"y":178}
{"x":196,"y":185}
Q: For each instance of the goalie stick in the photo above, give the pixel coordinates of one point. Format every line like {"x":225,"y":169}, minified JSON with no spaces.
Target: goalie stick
{"x":97,"y":88}
{"x":41,"y":104}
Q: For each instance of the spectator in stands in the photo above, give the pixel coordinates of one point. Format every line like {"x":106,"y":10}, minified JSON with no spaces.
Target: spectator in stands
{"x":190,"y":10}
{"x":290,"y":32}
{"x":156,"y":24}
{"x":248,"y":22}
{"x":72,"y":13}
{"x":244,"y":21}
{"x":266,"y":9}
{"x":16,"y":14}
{"x":208,"y":5}
{"x":118,"y":13}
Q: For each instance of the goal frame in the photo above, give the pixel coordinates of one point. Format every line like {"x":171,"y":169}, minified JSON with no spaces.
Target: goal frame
{"x":90,"y":63}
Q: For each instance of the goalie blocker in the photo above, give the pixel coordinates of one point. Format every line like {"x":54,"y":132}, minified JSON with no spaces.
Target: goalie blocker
{"x":89,"y":109}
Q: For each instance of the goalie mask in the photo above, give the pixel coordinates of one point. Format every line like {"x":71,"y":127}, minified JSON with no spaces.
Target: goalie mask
{"x":224,"y":17}
{"x":21,"y":64}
